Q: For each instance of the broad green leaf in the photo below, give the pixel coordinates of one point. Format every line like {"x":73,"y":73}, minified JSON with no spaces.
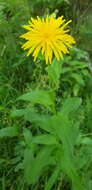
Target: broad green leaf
{"x":45,"y":139}
{"x":9,"y":132}
{"x":65,"y":131}
{"x":70,"y":105}
{"x":70,"y":169}
{"x":40,"y":120}
{"x":30,"y":114}
{"x":62,"y":128}
{"x":35,"y":166}
{"x":42,"y":97}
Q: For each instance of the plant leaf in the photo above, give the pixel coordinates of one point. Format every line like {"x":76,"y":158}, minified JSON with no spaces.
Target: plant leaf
{"x":45,"y":139}
{"x":9,"y":132}
{"x":41,"y":97}
{"x":71,"y":105}
{"x":78,"y":78}
{"x":34,"y":165}
{"x":27,"y":136}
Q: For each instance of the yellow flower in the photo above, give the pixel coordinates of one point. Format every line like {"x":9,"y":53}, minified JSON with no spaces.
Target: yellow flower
{"x":49,"y":36}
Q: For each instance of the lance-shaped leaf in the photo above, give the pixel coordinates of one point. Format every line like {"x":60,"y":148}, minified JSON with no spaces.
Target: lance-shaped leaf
{"x":42,"y":97}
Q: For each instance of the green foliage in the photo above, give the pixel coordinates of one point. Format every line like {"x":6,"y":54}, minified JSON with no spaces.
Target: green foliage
{"x":75,"y":72}
{"x":59,"y":134}
{"x":61,"y":140}
{"x":60,"y":144}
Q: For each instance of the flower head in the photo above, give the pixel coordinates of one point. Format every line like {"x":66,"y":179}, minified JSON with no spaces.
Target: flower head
{"x":48,"y":36}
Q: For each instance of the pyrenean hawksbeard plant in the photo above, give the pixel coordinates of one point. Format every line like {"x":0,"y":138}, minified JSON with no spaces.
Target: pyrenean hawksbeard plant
{"x":58,"y":132}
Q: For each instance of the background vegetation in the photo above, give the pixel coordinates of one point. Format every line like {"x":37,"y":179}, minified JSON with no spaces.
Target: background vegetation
{"x":19,"y":134}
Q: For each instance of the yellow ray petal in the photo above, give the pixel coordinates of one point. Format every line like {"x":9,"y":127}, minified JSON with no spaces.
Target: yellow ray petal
{"x":36,"y":51}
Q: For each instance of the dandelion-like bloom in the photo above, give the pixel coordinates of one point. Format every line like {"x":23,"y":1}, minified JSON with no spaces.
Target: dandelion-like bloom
{"x":48,"y":36}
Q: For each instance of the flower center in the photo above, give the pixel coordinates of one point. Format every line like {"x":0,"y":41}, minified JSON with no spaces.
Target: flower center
{"x":46,"y":35}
